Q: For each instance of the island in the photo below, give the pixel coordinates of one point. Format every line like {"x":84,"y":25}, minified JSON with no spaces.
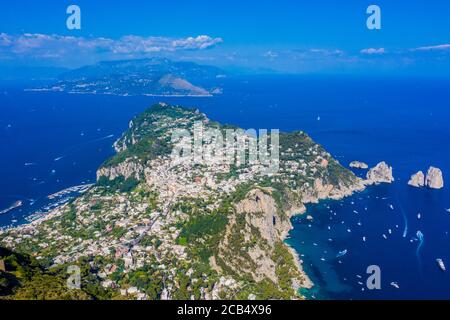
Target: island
{"x":150,"y":77}
{"x":152,"y":228}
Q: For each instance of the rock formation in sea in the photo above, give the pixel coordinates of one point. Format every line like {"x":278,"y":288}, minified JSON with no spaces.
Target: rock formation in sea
{"x":381,"y":173}
{"x":358,"y":165}
{"x":434,"y":179}
{"x":417,"y":180}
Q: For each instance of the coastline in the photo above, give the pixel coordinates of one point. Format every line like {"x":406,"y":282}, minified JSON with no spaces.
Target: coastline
{"x":308,"y":284}
{"x":125,"y":95}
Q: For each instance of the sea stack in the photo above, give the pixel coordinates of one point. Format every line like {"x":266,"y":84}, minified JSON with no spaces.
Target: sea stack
{"x":417,"y":180}
{"x":434,"y":179}
{"x":381,"y":173}
{"x":358,"y":165}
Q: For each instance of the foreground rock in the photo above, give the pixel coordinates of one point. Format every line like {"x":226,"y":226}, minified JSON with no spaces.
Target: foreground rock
{"x":417,"y":180}
{"x":381,"y":173}
{"x":358,"y":165}
{"x":434,"y":179}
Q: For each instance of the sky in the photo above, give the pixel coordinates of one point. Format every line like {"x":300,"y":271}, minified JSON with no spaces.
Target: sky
{"x":291,"y":36}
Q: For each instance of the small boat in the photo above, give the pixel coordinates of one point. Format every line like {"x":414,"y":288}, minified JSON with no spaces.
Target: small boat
{"x":364,"y":239}
{"x":448,"y":210}
{"x":441,"y":264}
{"x":390,"y":231}
{"x":359,"y":223}
{"x":384,"y":236}
{"x":395,"y":285}
{"x":341,"y":253}
{"x":348,"y":230}
{"x":323,"y":259}
{"x":354,"y":211}
{"x":391,"y":207}
{"x":418,"y":216}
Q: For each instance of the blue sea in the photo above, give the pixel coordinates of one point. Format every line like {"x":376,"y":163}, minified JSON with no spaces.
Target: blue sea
{"x":52,"y":141}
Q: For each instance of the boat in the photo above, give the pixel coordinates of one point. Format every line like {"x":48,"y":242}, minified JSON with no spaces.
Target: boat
{"x":364,"y":239}
{"x":384,"y":236}
{"x":395,"y":285}
{"x":15,"y":205}
{"x":341,"y":253}
{"x":441,"y":264}
{"x":391,"y":207}
{"x":418,"y":216}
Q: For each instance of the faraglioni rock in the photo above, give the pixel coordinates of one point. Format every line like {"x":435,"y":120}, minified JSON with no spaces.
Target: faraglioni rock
{"x":434,"y":179}
{"x":381,"y":173}
{"x":417,"y":180}
{"x":358,"y":165}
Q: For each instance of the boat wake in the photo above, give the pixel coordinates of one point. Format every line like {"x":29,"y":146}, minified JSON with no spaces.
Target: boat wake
{"x":405,"y":220}
{"x":421,"y":240}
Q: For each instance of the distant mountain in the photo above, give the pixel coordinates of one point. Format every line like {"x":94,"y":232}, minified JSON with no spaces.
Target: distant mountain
{"x":153,"y":76}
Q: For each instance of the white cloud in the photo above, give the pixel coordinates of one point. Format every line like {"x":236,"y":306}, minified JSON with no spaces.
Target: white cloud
{"x":42,"y":45}
{"x":373,"y":51}
{"x":327,"y":52}
{"x":433,"y":48}
{"x":270,"y":54}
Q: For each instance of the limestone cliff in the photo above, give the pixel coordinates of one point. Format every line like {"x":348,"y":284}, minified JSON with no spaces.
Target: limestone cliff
{"x":434,"y":179}
{"x":381,"y":173}
{"x":417,"y":180}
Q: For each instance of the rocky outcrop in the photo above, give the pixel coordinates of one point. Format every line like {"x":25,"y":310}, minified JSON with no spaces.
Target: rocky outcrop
{"x":358,"y":165}
{"x":381,"y":173}
{"x":417,"y":180}
{"x":126,"y":169}
{"x":261,"y":227}
{"x":434,"y":179}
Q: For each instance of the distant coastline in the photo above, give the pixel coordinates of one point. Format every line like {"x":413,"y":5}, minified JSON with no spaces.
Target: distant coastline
{"x":123,"y":95}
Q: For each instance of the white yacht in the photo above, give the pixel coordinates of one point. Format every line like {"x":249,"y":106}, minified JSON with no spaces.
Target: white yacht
{"x":441,"y":264}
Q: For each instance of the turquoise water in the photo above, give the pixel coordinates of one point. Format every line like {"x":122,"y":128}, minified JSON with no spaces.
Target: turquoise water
{"x":404,"y":122}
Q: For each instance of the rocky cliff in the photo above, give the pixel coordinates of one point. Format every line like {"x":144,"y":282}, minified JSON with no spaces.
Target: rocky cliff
{"x":381,"y":173}
{"x":417,"y":180}
{"x":434,"y":178}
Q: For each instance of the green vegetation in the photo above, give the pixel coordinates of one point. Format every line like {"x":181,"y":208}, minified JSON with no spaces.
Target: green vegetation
{"x":120,"y":183}
{"x":26,"y":279}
